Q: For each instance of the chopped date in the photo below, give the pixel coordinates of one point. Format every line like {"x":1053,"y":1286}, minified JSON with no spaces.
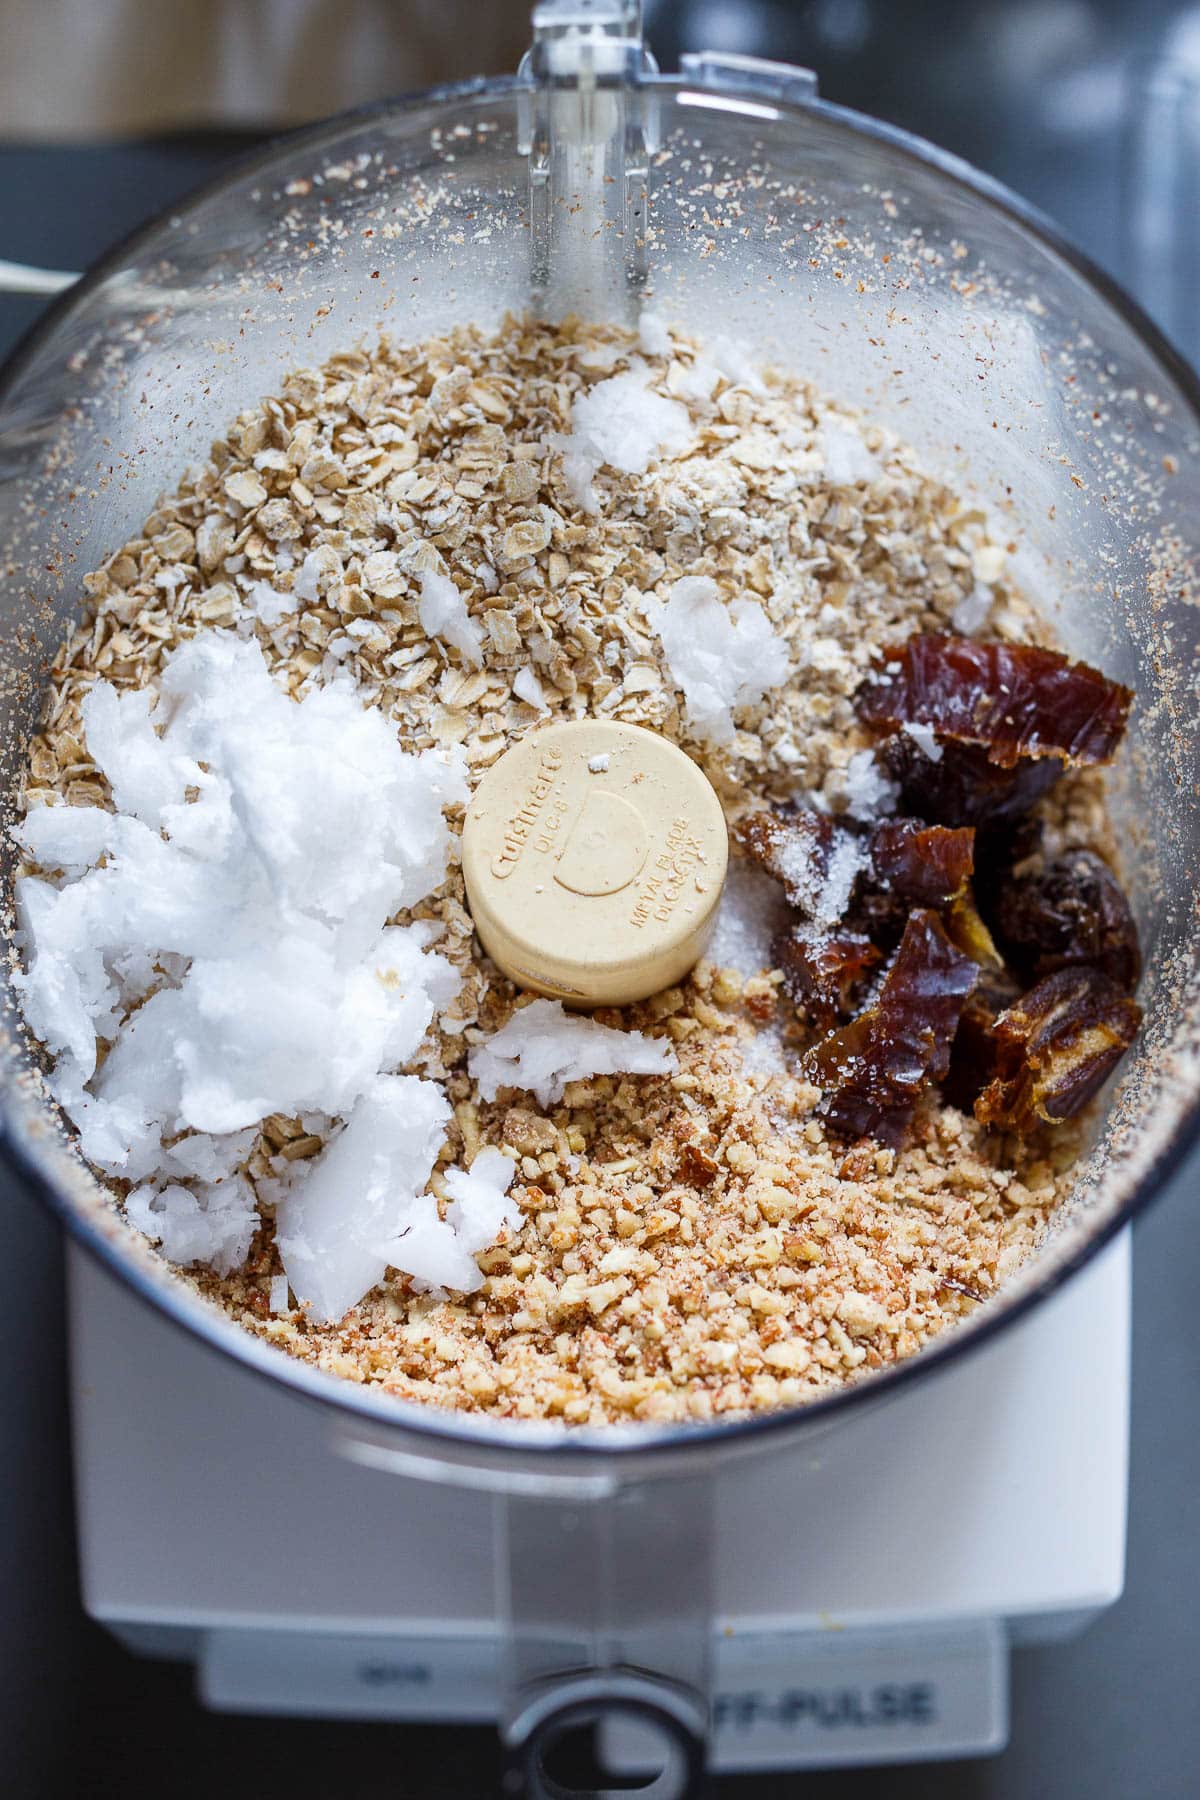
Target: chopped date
{"x":1001,"y":847}
{"x":824,"y":970}
{"x":965,"y":787}
{"x":1073,"y":911}
{"x":966,"y":928}
{"x":875,"y":1069}
{"x":1007,"y":721}
{"x":818,"y":859}
{"x":1054,"y":1047}
{"x":973,"y":1052}
{"x":925,"y":865}
{"x":796,"y":848}
{"x":1018,"y":701}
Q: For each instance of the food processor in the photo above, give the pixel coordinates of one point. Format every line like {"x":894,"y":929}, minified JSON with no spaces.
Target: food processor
{"x":832,"y":1583}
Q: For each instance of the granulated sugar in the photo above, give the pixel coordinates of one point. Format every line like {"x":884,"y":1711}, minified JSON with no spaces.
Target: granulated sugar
{"x":817,"y":881}
{"x":751,"y":915}
{"x":258,"y":744}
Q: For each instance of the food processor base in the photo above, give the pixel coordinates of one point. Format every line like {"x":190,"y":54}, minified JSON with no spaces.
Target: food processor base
{"x":869,"y":1581}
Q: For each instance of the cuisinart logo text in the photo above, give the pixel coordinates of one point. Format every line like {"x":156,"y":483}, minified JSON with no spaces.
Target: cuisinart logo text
{"x":821,"y":1709}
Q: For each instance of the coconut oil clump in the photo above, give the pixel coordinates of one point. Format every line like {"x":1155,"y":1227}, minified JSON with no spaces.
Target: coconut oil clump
{"x":245,"y":942}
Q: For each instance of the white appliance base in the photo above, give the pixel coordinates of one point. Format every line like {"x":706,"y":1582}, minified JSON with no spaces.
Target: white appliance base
{"x":868,"y":1585}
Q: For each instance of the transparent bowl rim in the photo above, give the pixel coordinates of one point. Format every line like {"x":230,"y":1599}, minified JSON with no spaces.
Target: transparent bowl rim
{"x":464,"y":1441}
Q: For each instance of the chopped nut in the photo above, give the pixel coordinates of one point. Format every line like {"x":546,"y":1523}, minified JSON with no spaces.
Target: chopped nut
{"x":696,"y":1166}
{"x":861,"y":1314}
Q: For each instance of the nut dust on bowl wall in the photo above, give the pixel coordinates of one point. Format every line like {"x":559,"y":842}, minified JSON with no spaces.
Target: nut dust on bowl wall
{"x":858,"y":398}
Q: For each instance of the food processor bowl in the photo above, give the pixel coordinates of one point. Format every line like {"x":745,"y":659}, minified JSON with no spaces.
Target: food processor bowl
{"x":731,"y":199}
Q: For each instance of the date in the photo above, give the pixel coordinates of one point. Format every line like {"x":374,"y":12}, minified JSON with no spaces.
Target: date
{"x":964,"y":786}
{"x":824,"y":970}
{"x":795,"y":847}
{"x":1055,"y":1047}
{"x":973,"y":1052}
{"x":924,"y":865}
{"x":818,"y":859}
{"x":873,"y":1071}
{"x":966,"y":928}
{"x":1072,"y":912}
{"x":1017,"y":701}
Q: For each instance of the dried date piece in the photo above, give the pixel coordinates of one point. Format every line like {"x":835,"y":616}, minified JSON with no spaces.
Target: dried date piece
{"x":973,"y":1052}
{"x":913,"y":864}
{"x":817,"y":858}
{"x":964,"y":787}
{"x":824,"y":970}
{"x":1055,"y":1047}
{"x":786,"y":844}
{"x":1007,"y":719}
{"x":924,"y":865}
{"x":1017,"y":701}
{"x":1000,"y":848}
{"x":965,"y":928}
{"x":875,"y":1069}
{"x":1072,"y":912}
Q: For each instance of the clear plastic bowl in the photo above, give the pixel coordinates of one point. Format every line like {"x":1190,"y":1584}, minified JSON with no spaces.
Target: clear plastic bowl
{"x":896,"y":279}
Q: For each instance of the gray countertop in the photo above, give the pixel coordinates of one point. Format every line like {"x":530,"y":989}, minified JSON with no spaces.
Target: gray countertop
{"x":1112,"y":1715}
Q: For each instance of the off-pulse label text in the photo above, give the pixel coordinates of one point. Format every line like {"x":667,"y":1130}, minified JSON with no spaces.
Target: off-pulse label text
{"x":822,"y":1709}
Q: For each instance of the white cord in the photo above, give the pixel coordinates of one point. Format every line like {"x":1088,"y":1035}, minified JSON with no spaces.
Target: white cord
{"x":19,"y":278}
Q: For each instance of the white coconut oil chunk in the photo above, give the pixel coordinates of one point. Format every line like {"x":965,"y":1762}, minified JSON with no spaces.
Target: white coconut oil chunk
{"x":224,"y":936}
{"x":722,"y":656}
{"x":543,"y":1047}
